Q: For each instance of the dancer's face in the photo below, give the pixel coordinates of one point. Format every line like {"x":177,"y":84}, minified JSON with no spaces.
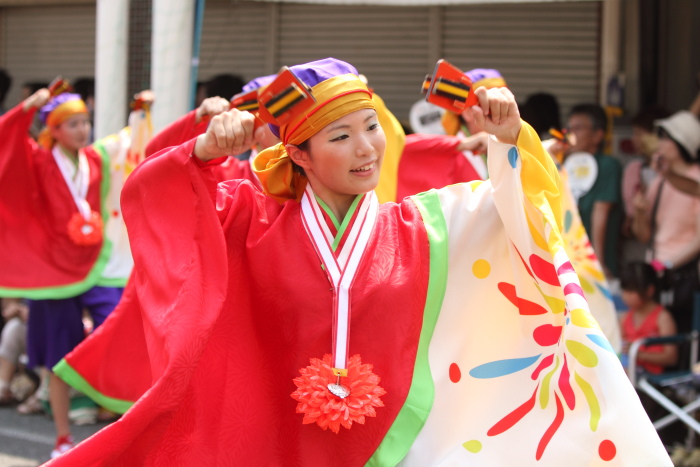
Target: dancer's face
{"x":73,"y":134}
{"x":345,"y":157}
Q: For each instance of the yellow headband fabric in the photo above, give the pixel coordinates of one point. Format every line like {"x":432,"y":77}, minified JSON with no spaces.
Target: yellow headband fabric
{"x":335,"y":98}
{"x":57,"y":116}
{"x":489,"y":83}
{"x":64,"y":111}
{"x":395,"y":142}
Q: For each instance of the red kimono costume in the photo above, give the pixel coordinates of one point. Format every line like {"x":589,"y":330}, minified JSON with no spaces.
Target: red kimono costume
{"x":464,"y":302}
{"x":39,"y":260}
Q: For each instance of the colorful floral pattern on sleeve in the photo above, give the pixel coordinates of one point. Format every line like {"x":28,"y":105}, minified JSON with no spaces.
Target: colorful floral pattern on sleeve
{"x":122,"y":151}
{"x":590,"y":272}
{"x":522,"y":373}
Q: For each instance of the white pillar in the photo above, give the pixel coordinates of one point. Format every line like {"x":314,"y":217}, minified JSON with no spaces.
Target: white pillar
{"x":111,"y":55}
{"x":171,"y":57}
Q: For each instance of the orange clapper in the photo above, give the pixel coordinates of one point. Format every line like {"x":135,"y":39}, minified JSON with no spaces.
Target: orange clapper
{"x":449,"y":88}
{"x":283,"y":98}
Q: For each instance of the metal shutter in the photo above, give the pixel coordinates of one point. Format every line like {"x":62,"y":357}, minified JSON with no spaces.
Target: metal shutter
{"x":550,"y":47}
{"x":43,"y":42}
{"x":234,"y":39}
{"x":389,"y":45}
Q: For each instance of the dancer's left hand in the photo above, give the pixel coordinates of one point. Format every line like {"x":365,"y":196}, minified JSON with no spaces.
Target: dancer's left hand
{"x":497,"y":113}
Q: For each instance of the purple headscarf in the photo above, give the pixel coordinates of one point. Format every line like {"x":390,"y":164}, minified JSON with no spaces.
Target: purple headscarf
{"x":54,"y":102}
{"x":493,"y":77}
{"x":316,"y":72}
{"x":258,"y":82}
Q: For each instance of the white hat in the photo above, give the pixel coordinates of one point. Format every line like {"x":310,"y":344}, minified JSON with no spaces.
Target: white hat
{"x":684,"y":128}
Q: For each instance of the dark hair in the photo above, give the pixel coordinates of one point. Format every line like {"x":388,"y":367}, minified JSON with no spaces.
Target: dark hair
{"x":5,"y":83}
{"x":85,"y":87}
{"x":594,"y":112}
{"x":226,"y":86}
{"x":645,"y":118}
{"x":34,"y":86}
{"x":638,"y":276}
{"x":685,"y":155}
{"x":541,"y":110}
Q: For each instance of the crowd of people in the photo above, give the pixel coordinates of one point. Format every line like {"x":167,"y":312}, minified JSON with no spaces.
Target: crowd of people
{"x":187,"y":256}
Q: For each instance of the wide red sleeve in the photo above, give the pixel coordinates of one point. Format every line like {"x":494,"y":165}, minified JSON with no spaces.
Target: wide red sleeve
{"x":432,"y":161}
{"x":177,"y":133}
{"x":17,"y":182}
{"x":39,"y":261}
{"x":174,"y":298}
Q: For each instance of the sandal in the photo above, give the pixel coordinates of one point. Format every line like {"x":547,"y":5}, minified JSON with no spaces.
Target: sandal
{"x":31,"y":406}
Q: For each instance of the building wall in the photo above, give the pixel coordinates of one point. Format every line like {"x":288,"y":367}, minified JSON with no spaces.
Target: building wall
{"x":679,"y":55}
{"x":550,"y":47}
{"x":41,"y":43}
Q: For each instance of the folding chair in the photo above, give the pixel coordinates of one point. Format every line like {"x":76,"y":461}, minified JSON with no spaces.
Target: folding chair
{"x":679,"y":381}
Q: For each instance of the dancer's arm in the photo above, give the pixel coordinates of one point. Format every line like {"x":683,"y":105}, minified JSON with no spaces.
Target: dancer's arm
{"x":188,"y":126}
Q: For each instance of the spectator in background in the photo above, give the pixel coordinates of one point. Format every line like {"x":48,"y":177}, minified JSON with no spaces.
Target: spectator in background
{"x":646,"y":318}
{"x":638,"y":175}
{"x":30,"y":87}
{"x":226,"y":86}
{"x":13,"y":343}
{"x":541,"y":110}
{"x":675,"y":173}
{"x":5,"y":84}
{"x":669,"y":220}
{"x":600,"y":207}
{"x":85,"y":86}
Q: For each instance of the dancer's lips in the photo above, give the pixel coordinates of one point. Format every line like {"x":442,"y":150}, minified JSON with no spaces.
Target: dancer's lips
{"x":365,"y":169}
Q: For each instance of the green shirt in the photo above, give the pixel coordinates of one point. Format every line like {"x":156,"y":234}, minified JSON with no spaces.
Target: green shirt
{"x":607,"y":189}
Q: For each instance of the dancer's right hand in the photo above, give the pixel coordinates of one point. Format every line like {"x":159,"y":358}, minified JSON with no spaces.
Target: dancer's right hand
{"x":229,"y":133}
{"x":37,"y":100}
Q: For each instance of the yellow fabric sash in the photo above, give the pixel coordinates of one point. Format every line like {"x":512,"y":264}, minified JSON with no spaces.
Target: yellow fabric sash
{"x":395,"y":142}
{"x":335,"y":98}
{"x":57,"y":116}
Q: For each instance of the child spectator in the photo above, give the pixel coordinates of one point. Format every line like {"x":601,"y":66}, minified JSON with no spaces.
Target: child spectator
{"x":646,"y":318}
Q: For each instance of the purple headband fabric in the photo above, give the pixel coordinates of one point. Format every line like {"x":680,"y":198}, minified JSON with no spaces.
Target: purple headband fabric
{"x":478,"y":74}
{"x":55,"y":102}
{"x":259,"y":82}
{"x":316,"y":72}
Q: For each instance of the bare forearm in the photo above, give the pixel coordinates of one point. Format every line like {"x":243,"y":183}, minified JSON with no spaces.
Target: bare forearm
{"x":684,"y":184}
{"x":641,"y":227}
{"x":599,"y":220}
{"x":668,"y":357}
{"x":598,"y":241}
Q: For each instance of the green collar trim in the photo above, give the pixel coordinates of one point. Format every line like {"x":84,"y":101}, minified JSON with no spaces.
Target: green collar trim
{"x":341,"y":228}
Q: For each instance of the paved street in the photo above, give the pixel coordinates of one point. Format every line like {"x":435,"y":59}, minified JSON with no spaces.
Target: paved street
{"x":27,"y":440}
